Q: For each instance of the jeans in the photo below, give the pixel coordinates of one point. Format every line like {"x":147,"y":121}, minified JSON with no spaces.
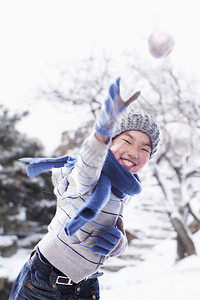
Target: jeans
{"x":37,"y":281}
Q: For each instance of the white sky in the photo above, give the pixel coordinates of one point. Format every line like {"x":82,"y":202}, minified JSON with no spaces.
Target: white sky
{"x":34,"y":33}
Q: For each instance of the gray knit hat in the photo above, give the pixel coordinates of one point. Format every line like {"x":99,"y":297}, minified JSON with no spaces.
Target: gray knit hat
{"x":139,"y":120}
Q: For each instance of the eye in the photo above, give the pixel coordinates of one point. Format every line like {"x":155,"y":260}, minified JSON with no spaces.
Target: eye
{"x":146,"y":150}
{"x":127,"y":141}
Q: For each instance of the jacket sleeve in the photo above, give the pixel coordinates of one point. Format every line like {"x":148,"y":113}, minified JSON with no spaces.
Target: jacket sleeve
{"x":89,"y":164}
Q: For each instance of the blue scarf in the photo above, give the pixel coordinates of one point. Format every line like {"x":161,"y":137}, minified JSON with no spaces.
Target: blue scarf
{"x":113,"y":177}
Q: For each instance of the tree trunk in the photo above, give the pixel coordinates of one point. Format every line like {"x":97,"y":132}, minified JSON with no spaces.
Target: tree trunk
{"x":185,"y":245}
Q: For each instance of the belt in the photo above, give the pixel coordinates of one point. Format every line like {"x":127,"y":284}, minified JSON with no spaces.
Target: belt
{"x":47,"y":269}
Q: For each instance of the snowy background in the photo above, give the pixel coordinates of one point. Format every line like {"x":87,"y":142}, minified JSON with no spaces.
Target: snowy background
{"x":37,"y":34}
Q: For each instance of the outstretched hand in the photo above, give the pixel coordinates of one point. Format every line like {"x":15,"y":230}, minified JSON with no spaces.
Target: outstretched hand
{"x":113,"y":106}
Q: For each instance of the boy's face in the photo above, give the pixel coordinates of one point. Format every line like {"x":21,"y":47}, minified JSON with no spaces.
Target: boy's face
{"x":132,"y":149}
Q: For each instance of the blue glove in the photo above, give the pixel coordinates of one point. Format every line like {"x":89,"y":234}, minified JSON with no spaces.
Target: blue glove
{"x":111,"y":241}
{"x":112,"y":108}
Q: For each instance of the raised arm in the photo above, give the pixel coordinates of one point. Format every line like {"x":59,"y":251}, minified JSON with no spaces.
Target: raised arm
{"x":113,"y":106}
{"x":82,"y":174}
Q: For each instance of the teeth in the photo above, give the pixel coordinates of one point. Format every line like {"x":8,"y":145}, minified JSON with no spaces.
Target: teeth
{"x":128,"y":163}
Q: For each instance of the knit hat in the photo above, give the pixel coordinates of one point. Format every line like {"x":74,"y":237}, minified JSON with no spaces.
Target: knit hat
{"x":139,"y":120}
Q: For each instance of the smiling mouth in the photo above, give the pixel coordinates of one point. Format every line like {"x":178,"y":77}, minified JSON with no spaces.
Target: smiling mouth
{"x":127,"y":163}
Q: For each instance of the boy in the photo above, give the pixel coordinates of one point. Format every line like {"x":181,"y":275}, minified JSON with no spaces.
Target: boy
{"x":92,"y":190}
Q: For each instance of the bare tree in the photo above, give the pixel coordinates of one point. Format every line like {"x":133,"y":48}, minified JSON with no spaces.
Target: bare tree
{"x":173,"y":100}
{"x":80,"y":84}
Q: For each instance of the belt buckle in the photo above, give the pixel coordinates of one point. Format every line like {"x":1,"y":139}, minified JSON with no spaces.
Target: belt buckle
{"x":64,"y":280}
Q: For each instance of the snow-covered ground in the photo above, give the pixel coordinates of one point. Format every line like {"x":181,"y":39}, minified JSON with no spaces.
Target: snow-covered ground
{"x":156,"y":278}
